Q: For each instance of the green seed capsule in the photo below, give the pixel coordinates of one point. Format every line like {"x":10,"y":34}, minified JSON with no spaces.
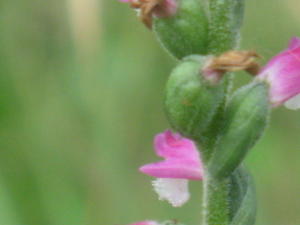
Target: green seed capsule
{"x":186,"y":32}
{"x":191,"y":101}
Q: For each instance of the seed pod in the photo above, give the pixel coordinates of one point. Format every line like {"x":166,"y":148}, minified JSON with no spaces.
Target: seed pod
{"x":192,"y":102}
{"x":186,"y":32}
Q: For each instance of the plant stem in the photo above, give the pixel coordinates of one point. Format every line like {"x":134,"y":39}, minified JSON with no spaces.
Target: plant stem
{"x":216,"y":208}
{"x":225,"y":19}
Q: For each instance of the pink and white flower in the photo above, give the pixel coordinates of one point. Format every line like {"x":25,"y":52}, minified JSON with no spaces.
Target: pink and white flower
{"x":147,"y":222}
{"x":182,"y":163}
{"x":282,"y":73}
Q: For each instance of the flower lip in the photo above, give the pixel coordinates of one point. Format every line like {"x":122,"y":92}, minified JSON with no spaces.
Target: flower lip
{"x":182,"y":159}
{"x":175,"y":191}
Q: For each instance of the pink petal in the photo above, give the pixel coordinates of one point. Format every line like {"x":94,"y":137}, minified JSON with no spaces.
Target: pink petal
{"x":294,"y":43}
{"x":172,"y":145}
{"x":182,"y":159}
{"x":148,"y":222}
{"x":283,"y":74}
{"x":175,"y":168}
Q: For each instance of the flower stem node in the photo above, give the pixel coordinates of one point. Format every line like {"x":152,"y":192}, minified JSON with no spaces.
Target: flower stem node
{"x":192,"y":101}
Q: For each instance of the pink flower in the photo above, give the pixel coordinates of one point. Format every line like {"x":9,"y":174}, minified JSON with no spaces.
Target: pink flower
{"x":148,"y":222}
{"x":282,"y":73}
{"x":181,"y":158}
{"x":182,"y":163}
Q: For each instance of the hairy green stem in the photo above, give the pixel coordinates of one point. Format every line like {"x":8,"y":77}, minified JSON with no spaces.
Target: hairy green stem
{"x":215,"y":192}
{"x":216,"y":208}
{"x":225,"y":19}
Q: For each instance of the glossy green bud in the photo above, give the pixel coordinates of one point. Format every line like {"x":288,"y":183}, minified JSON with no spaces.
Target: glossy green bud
{"x":186,"y":32}
{"x":244,"y":121}
{"x":191,"y":101}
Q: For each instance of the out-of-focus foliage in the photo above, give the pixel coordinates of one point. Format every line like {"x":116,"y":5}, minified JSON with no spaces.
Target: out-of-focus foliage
{"x":81,"y":92}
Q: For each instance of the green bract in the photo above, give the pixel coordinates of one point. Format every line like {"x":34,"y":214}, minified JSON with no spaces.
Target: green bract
{"x":245,"y":119}
{"x":242,"y":200}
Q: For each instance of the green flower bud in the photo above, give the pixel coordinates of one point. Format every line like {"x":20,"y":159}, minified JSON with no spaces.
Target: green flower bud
{"x":192,"y":102}
{"x":186,"y":32}
{"x":244,"y":121}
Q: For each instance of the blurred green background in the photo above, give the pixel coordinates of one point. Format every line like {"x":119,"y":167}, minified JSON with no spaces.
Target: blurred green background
{"x":81,"y":99}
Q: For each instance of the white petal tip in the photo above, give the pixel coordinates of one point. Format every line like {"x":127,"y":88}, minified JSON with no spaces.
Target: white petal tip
{"x":293,"y":103}
{"x":175,"y":191}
